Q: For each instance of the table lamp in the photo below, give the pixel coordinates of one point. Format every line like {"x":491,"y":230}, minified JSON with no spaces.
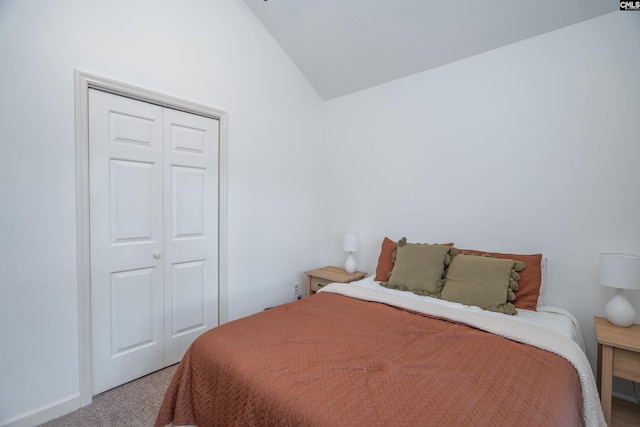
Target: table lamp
{"x":620,"y":271}
{"x":350,"y":243}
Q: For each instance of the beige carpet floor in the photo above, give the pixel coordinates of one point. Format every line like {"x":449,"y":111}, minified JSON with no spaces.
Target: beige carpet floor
{"x":132,"y":404}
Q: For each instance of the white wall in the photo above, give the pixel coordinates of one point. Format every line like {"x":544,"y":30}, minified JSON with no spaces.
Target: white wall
{"x":530,"y":148}
{"x":533,"y":147}
{"x":211,"y":52}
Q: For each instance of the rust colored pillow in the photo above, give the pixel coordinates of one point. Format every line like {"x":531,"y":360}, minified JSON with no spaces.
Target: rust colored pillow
{"x":530,"y":278}
{"x":385,"y":262}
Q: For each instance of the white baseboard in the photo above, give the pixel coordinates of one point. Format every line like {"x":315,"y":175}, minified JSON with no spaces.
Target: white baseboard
{"x":44,"y":413}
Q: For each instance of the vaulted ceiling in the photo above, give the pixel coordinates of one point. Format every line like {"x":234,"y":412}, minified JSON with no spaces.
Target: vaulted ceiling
{"x":343,"y":46}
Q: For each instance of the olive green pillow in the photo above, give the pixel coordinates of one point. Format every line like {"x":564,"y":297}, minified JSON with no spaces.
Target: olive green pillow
{"x":486,"y":282}
{"x":419,"y":268}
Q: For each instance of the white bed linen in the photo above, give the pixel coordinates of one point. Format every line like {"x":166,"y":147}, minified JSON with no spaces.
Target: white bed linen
{"x":555,"y":319}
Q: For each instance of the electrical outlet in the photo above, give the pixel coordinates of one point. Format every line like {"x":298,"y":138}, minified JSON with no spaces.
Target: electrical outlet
{"x":296,"y":288}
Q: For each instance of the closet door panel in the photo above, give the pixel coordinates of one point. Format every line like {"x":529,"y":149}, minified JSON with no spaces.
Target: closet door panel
{"x":191,"y":229}
{"x":126,"y":217}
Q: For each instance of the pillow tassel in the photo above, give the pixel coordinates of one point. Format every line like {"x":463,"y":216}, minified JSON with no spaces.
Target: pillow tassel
{"x":400,"y":243}
{"x":519,"y":266}
{"x":513,"y":285}
{"x":509,"y":309}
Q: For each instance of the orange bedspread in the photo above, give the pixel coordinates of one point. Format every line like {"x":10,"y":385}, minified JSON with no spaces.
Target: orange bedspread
{"x":330,"y":360}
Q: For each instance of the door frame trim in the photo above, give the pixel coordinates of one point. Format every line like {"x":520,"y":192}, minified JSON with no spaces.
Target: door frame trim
{"x":83,"y":82}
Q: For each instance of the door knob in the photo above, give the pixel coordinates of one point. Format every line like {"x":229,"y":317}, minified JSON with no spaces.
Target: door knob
{"x":156,"y":255}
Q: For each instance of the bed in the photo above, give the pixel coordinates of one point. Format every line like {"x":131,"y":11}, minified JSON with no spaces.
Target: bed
{"x":365,"y":354}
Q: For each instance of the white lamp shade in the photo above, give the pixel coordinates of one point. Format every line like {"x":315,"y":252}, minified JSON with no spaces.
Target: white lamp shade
{"x":620,"y":271}
{"x":351,"y":241}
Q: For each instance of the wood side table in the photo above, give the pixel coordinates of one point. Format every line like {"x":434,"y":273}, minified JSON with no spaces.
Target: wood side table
{"x":618,"y":355}
{"x":320,"y":277}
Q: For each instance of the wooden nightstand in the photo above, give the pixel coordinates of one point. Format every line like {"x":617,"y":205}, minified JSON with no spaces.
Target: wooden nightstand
{"x":618,"y":355}
{"x":323,"y":276}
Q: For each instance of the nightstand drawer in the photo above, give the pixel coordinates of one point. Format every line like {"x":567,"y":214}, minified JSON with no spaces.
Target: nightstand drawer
{"x":320,"y":277}
{"x":626,"y":364}
{"x":316,"y":283}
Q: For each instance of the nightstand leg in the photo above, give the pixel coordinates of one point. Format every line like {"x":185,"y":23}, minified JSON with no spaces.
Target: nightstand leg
{"x":606,"y":382}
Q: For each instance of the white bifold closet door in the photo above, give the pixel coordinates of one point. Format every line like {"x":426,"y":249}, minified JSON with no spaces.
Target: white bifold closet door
{"x":153,"y":175}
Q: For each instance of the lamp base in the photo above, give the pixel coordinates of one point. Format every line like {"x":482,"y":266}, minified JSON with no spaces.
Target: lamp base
{"x":619,"y":311}
{"x":350,"y":264}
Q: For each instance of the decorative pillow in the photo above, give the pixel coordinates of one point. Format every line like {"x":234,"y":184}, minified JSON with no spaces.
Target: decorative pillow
{"x":530,"y":278}
{"x":483,"y":281}
{"x":385,"y":264}
{"x":385,"y":260}
{"x":419,"y":268}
